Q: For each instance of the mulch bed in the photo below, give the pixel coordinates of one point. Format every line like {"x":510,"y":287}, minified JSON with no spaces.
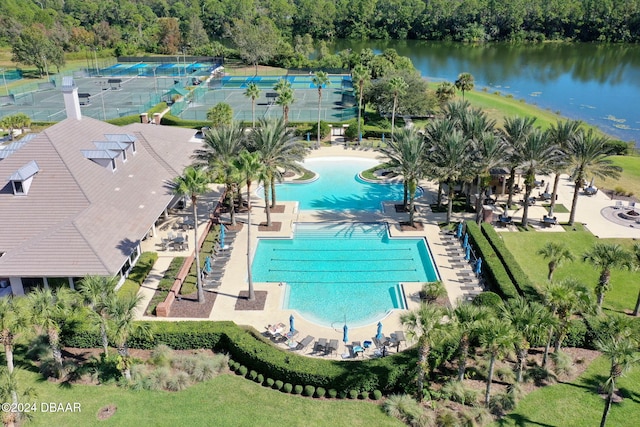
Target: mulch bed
{"x":277,"y":209}
{"x":107,"y":412}
{"x":417,"y":226}
{"x":188,"y":306}
{"x":243,"y":303}
{"x":275,"y":226}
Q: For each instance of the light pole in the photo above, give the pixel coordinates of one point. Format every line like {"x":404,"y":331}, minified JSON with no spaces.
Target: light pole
{"x":46,"y":69}
{"x":104,"y":112}
{"x":95,"y":55}
{"x":4,"y":79}
{"x":155,"y":80}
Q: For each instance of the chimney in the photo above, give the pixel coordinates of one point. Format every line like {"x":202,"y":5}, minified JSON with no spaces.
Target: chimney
{"x":144,"y":118}
{"x":71,"y":100}
{"x":157,"y":118}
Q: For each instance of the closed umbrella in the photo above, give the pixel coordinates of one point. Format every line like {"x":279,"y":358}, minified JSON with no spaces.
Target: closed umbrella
{"x":467,"y":254}
{"x":221,"y":235}
{"x":479,"y":266}
{"x":291,"y":328}
{"x":207,"y":265}
{"x":379,"y":335}
{"x":459,"y":230}
{"x":465,"y":242}
{"x":345,"y":334}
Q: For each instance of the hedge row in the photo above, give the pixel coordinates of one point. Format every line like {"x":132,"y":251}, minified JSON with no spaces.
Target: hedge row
{"x":247,"y":347}
{"x":141,"y":270}
{"x":515,"y":272}
{"x":497,"y":276}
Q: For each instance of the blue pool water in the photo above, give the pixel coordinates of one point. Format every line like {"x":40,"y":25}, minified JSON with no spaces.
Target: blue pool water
{"x":343,"y":271}
{"x":338,"y":187}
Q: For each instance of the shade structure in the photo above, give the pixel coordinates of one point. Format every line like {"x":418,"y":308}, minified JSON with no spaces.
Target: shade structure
{"x":459,"y":230}
{"x":465,"y":242}
{"x":467,"y":252}
{"x":207,"y":265}
{"x":291,"y":324}
{"x":479,"y":266}
{"x":379,"y":335}
{"x":345,"y":334}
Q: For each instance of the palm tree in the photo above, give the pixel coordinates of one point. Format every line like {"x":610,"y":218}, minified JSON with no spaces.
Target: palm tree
{"x":497,"y":338}
{"x":622,"y":353}
{"x":249,"y":166}
{"x":192,"y":183}
{"x":466,"y":320}
{"x":561,"y":133}
{"x":464,"y":82}
{"x":445,"y":92}
{"x":636,"y":251}
{"x":424,"y":324}
{"x":530,"y":321}
{"x":515,"y":130}
{"x":253,"y":92}
{"x":488,"y":153}
{"x":447,"y":155}
{"x":48,"y":310}
{"x":285,"y":99}
{"x":588,"y":157}
{"x":398,"y":87}
{"x":122,"y":326}
{"x":320,"y":79}
{"x":361,"y":75}
{"x":556,"y":253}
{"x":282,"y":85}
{"x":98,"y":292}
{"x":221,"y":147}
{"x":407,"y":154}
{"x":9,"y":390}
{"x":564,"y":299}
{"x":13,"y":321}
{"x":605,"y":257}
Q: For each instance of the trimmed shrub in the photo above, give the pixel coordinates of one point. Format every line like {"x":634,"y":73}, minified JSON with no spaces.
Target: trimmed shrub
{"x":242,"y":370}
{"x":278,"y":385}
{"x":309,"y":390}
{"x":253,"y":375}
{"x":332,"y":393}
{"x":287,"y":388}
{"x":260,"y":379}
{"x":353,"y":394}
{"x":377,"y":394}
{"x":495,"y":272}
{"x":170,"y":275}
{"x":487,"y":299}
{"x":342,"y":394}
{"x":364,"y":395}
{"x":270,"y":382}
{"x":297,"y":389}
{"x":141,"y":270}
{"x":320,"y":392}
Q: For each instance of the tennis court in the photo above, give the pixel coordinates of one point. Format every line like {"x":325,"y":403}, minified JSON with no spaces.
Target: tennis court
{"x":338,"y":100}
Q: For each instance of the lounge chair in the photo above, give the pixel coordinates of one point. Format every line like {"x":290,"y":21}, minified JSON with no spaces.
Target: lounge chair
{"x":304,"y":343}
{"x":333,"y":346}
{"x":618,"y":204}
{"x":321,"y":345}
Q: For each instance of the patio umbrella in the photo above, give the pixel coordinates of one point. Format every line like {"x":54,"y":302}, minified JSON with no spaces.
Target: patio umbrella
{"x":207,"y":265}
{"x":345,"y":333}
{"x":465,"y":242}
{"x":459,"y":230}
{"x":467,"y":254}
{"x":479,"y":266}
{"x":379,"y":335}
{"x":291,"y":328}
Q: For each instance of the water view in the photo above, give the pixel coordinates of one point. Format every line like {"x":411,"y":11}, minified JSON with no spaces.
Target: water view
{"x":599,"y":84}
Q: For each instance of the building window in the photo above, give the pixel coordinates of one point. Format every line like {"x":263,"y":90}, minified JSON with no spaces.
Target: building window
{"x":133,"y":147}
{"x":124,"y":155}
{"x":17,"y":187}
{"x":113,"y":164}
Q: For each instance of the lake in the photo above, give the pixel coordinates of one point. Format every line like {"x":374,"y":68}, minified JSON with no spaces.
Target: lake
{"x":596,"y":83}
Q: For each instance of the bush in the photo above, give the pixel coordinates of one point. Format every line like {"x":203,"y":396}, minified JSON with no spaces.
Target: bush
{"x":253,"y":375}
{"x":242,"y":370}
{"x":351,"y":133}
{"x":618,"y":148}
{"x":141,"y":270}
{"x":404,"y":408}
{"x":342,"y":394}
{"x":495,"y":272}
{"x":377,"y":394}
{"x":287,"y":388}
{"x":278,"y":385}
{"x":320,"y":392}
{"x":353,"y":394}
{"x":332,"y":393}
{"x":313,"y":130}
{"x":298,"y":389}
{"x":364,"y":395}
{"x":576,"y":334}
{"x":188,"y":288}
{"x":309,"y":390}
{"x":270,"y":382}
{"x":260,"y":379}
{"x":487,"y":299}
{"x":170,"y":275}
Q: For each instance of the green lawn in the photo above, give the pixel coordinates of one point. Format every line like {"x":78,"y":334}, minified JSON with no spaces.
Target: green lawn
{"x":227,"y":400}
{"x":524,"y":246}
{"x":577,"y":403}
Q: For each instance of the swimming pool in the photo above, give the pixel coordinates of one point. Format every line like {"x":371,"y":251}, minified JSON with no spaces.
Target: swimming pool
{"x":338,"y":187}
{"x":343,"y":271}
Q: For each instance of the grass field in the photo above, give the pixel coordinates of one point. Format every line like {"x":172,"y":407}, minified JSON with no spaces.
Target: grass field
{"x":227,"y":400}
{"x":524,"y":245}
{"x":577,"y":404}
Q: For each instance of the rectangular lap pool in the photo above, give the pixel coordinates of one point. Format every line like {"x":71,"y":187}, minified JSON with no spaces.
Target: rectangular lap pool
{"x":335,"y":271}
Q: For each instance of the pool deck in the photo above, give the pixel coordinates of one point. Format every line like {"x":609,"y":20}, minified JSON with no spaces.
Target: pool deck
{"x":234,"y":279}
